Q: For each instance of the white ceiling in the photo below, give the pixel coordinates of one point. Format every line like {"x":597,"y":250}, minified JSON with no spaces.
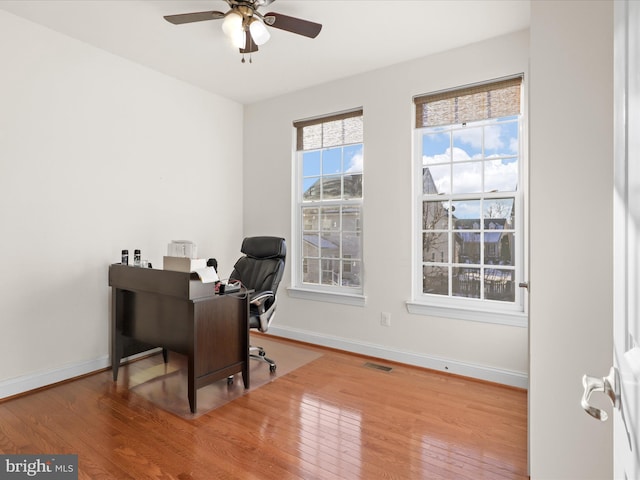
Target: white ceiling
{"x":357,"y":36}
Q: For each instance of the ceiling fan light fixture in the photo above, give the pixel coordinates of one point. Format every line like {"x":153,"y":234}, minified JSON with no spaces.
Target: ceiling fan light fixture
{"x":233,"y":29}
{"x":245,"y":27}
{"x":259,"y":32}
{"x":239,"y":39}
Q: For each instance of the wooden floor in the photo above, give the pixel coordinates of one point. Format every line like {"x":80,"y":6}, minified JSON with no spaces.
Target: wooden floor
{"x":333,"y":418}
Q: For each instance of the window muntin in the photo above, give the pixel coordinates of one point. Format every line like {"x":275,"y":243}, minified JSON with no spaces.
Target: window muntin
{"x":329,"y":206}
{"x":470,"y":241}
{"x":469,"y":192}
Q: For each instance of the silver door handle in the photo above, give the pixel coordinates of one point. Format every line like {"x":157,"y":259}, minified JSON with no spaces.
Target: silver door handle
{"x":609,"y":385}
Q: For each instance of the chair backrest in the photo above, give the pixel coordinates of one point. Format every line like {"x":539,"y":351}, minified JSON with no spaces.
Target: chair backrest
{"x":262,"y":266}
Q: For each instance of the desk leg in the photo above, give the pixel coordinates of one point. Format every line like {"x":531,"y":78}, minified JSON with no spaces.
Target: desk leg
{"x":247,"y":343}
{"x":116,"y":337}
{"x":116,"y":356}
{"x":245,"y":375}
{"x":191,"y":387}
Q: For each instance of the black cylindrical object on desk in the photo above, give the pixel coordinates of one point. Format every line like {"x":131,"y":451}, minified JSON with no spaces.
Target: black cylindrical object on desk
{"x":125,"y":257}
{"x":136,"y":258}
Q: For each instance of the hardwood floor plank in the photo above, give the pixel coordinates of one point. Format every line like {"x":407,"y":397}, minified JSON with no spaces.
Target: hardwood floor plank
{"x":331,"y":419}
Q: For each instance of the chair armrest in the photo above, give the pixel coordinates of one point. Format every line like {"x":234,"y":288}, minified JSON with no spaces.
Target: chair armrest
{"x":264,"y":313}
{"x":260,"y":298}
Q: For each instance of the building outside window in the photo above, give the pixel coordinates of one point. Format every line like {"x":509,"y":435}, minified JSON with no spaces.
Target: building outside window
{"x":328,"y":210}
{"x":469,"y":207}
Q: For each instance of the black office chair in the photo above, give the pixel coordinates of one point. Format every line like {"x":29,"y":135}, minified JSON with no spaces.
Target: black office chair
{"x":261,"y":270}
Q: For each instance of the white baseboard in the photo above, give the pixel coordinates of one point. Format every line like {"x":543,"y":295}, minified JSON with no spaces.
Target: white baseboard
{"x":26,"y":383}
{"x":481,"y":372}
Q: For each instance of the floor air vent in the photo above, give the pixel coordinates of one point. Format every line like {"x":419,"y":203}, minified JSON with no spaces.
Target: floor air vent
{"x":377,"y":366}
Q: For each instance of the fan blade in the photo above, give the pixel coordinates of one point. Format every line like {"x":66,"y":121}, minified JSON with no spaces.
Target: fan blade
{"x":249,"y":46}
{"x":193,"y":17}
{"x":293,"y":25}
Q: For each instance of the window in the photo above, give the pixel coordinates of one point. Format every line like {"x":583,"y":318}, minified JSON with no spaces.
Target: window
{"x":328,"y":211}
{"x":469,"y":200}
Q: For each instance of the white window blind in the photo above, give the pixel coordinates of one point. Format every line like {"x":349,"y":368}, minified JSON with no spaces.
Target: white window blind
{"x":469,"y":104}
{"x":340,"y":129}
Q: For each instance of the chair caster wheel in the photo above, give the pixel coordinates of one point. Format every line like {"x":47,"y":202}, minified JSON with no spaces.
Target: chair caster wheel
{"x":229,"y":380}
{"x":272,"y":368}
{"x":262,"y":353}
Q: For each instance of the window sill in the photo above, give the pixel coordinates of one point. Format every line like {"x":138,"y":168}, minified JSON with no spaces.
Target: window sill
{"x":515,"y":319}
{"x":330,"y":297}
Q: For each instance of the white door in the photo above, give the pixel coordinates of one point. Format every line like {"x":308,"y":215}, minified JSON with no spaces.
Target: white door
{"x":622,"y":385}
{"x":626,"y":330}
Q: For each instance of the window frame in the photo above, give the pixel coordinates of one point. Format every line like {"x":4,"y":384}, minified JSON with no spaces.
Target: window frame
{"x":480,"y":310}
{"x":329,"y":293}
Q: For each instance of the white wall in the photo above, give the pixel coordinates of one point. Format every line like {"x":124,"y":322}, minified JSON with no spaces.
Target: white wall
{"x":571,"y":175}
{"x":97,"y":154}
{"x":494,"y":351}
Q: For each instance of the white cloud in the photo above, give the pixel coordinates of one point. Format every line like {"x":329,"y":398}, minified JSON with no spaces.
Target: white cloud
{"x":499,"y":175}
{"x":492,"y":139}
{"x":467,"y":177}
{"x":458,"y":155}
{"x":470,"y":136}
{"x":513,"y":145}
{"x":356,"y":164}
{"x":473,"y":137}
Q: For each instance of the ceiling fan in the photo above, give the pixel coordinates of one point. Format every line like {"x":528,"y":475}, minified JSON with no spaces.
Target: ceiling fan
{"x":246,"y":27}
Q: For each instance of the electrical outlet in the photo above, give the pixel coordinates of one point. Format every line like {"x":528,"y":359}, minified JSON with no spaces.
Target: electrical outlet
{"x":385,"y":319}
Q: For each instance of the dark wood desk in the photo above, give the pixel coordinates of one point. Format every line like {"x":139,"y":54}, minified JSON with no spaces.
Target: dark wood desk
{"x":161,"y":308}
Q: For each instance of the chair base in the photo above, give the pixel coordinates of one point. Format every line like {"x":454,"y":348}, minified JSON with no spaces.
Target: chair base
{"x":260,"y":355}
